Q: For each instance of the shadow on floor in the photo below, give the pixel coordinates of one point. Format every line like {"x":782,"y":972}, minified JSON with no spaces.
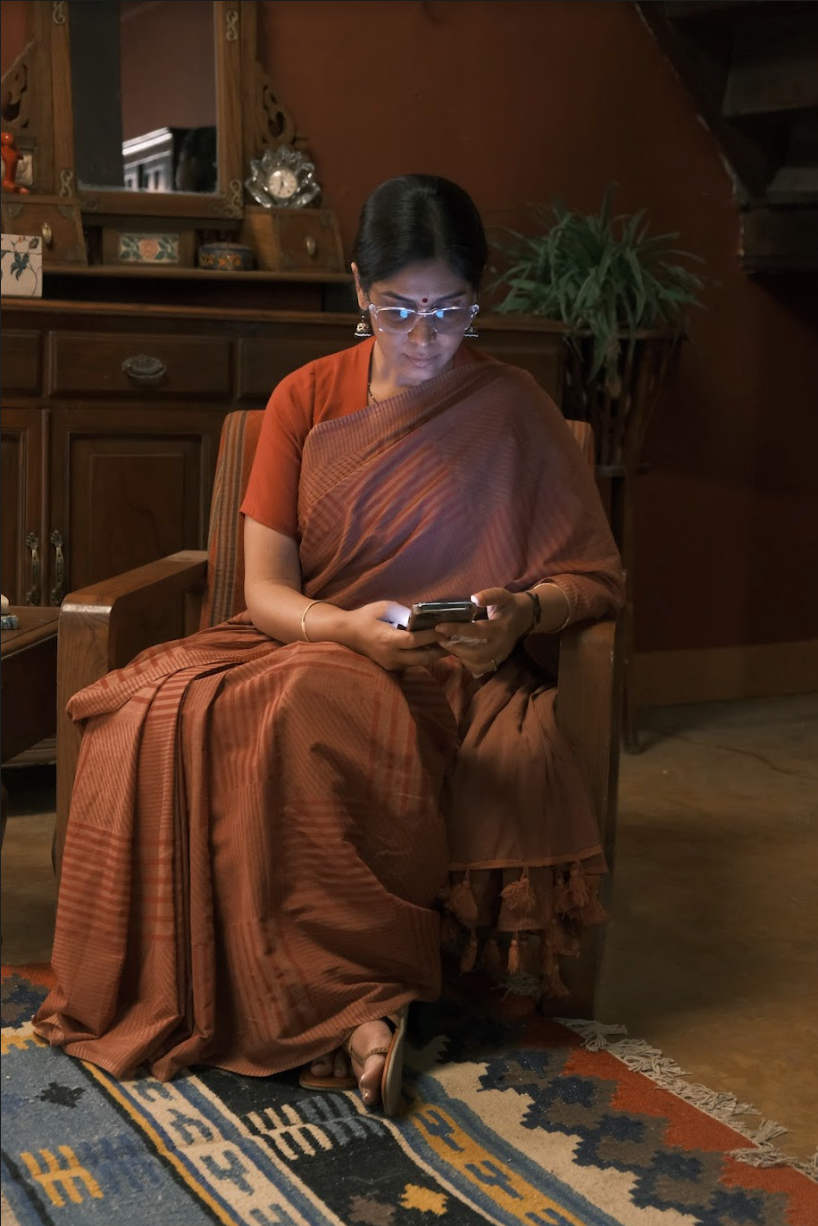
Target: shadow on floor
{"x":31,"y":789}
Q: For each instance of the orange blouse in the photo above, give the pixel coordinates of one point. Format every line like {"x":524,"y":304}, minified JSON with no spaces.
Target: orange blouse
{"x":329,"y":387}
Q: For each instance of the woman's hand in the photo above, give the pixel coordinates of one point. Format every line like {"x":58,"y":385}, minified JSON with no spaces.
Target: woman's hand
{"x":373,"y":631}
{"x":483,"y":645}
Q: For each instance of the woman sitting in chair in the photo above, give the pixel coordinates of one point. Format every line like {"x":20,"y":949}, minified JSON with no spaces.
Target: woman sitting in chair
{"x":271,"y":818}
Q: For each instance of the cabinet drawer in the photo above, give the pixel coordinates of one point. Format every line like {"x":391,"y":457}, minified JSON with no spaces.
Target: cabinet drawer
{"x":20,"y":369}
{"x":264,"y":363}
{"x":57,"y":221}
{"x":290,"y":240}
{"x":96,"y":364}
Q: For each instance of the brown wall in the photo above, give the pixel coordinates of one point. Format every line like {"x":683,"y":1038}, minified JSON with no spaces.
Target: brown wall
{"x":522,"y":101}
{"x":15,"y":31}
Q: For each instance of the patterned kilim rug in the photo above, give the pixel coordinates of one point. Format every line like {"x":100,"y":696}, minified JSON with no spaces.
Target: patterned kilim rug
{"x":510,"y":1118}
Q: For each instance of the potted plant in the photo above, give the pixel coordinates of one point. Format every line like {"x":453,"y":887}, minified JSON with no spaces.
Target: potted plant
{"x":622,"y":297}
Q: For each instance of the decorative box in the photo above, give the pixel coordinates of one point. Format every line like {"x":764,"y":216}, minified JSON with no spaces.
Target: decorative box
{"x":229,"y":257}
{"x":56,"y":220}
{"x":22,"y":266}
{"x":141,"y":244}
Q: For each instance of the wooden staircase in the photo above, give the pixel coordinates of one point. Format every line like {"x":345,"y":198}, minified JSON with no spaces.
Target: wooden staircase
{"x":752,"y":68}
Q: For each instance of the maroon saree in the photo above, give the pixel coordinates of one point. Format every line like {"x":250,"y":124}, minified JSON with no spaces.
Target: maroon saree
{"x":263,"y":837}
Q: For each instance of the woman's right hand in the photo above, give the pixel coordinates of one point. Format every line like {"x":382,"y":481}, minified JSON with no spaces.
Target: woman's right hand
{"x":372,"y":631}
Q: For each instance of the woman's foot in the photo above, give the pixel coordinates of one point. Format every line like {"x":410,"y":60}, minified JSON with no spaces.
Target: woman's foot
{"x":367,"y":1047}
{"x":329,"y":1072}
{"x":333,"y":1064}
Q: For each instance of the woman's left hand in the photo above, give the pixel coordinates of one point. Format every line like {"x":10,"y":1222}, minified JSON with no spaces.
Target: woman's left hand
{"x":484,"y":645}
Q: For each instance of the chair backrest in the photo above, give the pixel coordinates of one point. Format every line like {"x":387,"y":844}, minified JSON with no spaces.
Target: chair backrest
{"x":225,"y":544}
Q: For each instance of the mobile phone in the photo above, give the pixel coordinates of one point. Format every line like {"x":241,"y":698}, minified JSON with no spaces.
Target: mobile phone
{"x":427,"y":614}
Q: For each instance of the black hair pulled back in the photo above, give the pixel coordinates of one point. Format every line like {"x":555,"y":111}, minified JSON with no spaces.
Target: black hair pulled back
{"x":415,"y":218}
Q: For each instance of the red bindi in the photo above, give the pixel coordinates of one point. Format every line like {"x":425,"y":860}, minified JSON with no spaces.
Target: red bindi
{"x":424,"y":299}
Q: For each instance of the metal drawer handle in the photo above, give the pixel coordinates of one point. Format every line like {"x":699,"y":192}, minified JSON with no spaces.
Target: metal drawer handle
{"x":310,"y":244}
{"x":144,"y":369}
{"x":33,"y":593}
{"x":58,"y":590}
{"x":47,"y":234}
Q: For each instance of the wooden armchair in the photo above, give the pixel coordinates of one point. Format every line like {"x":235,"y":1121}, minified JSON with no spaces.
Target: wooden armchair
{"x":104,"y":626}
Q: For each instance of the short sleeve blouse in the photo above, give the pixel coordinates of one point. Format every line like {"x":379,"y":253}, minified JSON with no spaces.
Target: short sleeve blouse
{"x":327,"y":388}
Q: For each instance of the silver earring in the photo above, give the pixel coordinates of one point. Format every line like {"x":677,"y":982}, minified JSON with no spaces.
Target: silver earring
{"x":364,"y":329}
{"x":471,"y":333}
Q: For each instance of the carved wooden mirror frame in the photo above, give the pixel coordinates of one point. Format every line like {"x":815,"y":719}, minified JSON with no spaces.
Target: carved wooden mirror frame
{"x":38,"y":109}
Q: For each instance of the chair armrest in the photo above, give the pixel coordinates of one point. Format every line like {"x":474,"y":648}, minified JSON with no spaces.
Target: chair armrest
{"x":105,"y":625}
{"x":588,"y":711}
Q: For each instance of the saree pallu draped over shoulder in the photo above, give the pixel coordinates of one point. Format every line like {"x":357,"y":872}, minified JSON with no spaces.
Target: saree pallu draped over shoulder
{"x":263,"y":837}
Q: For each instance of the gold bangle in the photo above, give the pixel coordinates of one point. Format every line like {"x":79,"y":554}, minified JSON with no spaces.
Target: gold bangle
{"x":562,"y":625}
{"x":307,"y":638}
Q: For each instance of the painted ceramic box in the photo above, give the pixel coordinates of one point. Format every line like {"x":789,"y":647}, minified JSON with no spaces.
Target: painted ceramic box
{"x":148,"y":245}
{"x":22,"y":275}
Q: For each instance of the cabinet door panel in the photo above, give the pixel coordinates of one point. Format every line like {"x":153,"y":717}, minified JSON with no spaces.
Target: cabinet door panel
{"x":22,"y":524}
{"x":128,"y":492}
{"x":20,"y":369}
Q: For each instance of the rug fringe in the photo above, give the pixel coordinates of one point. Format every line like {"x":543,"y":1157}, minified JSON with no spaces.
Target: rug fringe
{"x":639,"y":1056}
{"x":519,"y":985}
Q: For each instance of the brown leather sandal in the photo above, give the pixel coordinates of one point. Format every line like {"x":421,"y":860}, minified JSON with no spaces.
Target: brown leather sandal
{"x":308,"y":1080}
{"x":392,"y":1075}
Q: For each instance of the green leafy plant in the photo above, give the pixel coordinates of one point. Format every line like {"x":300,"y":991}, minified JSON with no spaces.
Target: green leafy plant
{"x":603,"y":276}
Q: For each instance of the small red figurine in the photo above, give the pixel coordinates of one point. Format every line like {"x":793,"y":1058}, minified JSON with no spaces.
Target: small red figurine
{"x":11,"y":156}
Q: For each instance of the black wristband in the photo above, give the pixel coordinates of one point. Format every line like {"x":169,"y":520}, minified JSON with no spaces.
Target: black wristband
{"x":535,"y":600}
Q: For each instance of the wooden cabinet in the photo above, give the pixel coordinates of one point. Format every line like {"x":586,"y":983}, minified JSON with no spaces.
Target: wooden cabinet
{"x":23,"y":519}
{"x":112,"y":414}
{"x":126,"y":488}
{"x":87,"y":493}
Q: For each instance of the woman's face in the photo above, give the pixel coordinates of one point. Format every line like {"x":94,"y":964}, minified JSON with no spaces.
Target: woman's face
{"x":409,"y":358}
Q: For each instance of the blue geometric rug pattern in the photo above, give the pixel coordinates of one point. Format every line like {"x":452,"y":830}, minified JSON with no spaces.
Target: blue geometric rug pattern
{"x":508,"y":1119}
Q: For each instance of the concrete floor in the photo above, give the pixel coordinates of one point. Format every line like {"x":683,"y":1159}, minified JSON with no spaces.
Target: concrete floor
{"x":711,"y":951}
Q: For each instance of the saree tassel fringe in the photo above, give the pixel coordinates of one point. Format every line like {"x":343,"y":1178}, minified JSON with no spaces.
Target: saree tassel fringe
{"x":451,"y":932}
{"x":565,"y":943}
{"x":578,"y":892}
{"x":462,"y":903}
{"x":469,"y":955}
{"x":492,"y":958}
{"x":550,"y":974}
{"x":514,"y":959}
{"x":576,"y":897}
{"x":520,"y":897}
{"x":520,"y":931}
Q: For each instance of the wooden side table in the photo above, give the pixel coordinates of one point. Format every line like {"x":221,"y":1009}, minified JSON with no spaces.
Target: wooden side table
{"x":28,"y":683}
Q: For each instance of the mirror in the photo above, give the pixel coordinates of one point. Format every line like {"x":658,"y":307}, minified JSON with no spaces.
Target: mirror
{"x":143,"y":86}
{"x":153,"y":119}
{"x":52,"y":77}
